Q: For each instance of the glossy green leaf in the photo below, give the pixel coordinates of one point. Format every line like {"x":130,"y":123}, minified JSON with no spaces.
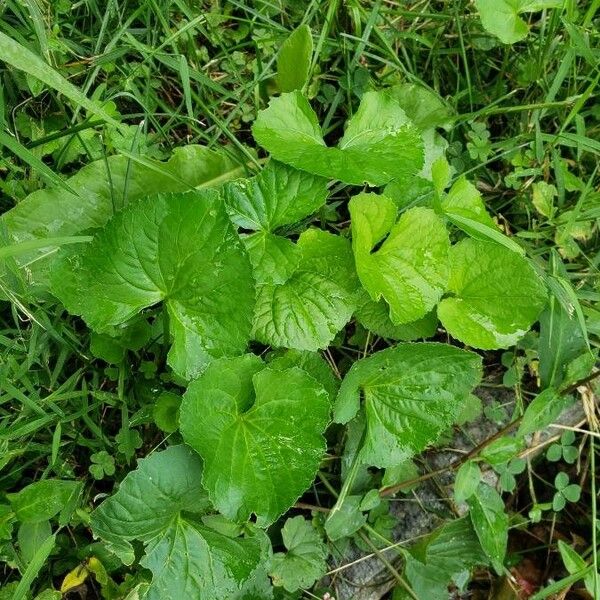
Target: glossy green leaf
{"x":375,"y":316}
{"x":494,"y":295}
{"x":279,"y":195}
{"x":177,"y":248}
{"x":561,"y":341}
{"x":410,"y":268}
{"x":422,"y":106}
{"x":305,"y":559}
{"x":314,"y":304}
{"x":501,"y":17}
{"x":490,"y":523}
{"x":379,"y":143}
{"x":311,"y":362}
{"x":412,"y":392}
{"x":103,"y":187}
{"x":293,"y":60}
{"x":274,"y":258}
{"x":159,"y":504}
{"x":259,"y":431}
{"x":467,"y":479}
{"x":43,"y":499}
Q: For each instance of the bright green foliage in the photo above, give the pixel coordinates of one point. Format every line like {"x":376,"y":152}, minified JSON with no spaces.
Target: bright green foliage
{"x":180,"y":249}
{"x":490,"y":523}
{"x":462,"y":203}
{"x":42,"y":500}
{"x":379,"y":143}
{"x":412,"y":392}
{"x":495,"y":295}
{"x":259,"y":431}
{"x":293,"y":61}
{"x":410,"y":269}
{"x":312,"y":306}
{"x":543,"y":410}
{"x":467,"y":479}
{"x":304,"y":561}
{"x":501,"y":17}
{"x":447,"y":553}
{"x":346,"y":519}
{"x":279,"y":195}
{"x":422,"y":106}
{"x":375,"y":316}
{"x":103,"y":187}
{"x":160,"y":504}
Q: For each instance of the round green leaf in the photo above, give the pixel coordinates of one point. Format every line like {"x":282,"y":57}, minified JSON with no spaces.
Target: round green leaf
{"x":494,"y":295}
{"x":260,"y":433}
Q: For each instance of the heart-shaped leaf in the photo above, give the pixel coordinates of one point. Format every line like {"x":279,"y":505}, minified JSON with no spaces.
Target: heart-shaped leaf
{"x":160,"y":504}
{"x":260,"y":433}
{"x":176,"y":248}
{"x":410,"y":269}
{"x":379,"y":144}
{"x":495,"y":295}
{"x":412,"y":392}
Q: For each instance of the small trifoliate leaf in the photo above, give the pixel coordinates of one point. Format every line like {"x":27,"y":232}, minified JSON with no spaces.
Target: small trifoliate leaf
{"x":412,"y":392}
{"x":155,"y":504}
{"x":176,"y":248}
{"x":490,"y":523}
{"x":495,"y":295}
{"x":293,"y":60}
{"x":379,"y":144}
{"x":304,"y":561}
{"x":279,"y":195}
{"x":314,"y":304}
{"x":259,"y":431}
{"x":410,"y":269}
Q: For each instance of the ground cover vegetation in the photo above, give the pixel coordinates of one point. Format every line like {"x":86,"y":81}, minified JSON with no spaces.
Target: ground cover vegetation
{"x":259,"y":261}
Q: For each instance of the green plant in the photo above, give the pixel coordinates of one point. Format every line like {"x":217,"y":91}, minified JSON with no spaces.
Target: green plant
{"x":286,"y":328}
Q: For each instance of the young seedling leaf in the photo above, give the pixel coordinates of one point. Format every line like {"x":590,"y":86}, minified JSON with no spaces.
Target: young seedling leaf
{"x":304,"y":561}
{"x":379,"y":144}
{"x":176,"y":248}
{"x":543,"y":410}
{"x":410,"y":269}
{"x":412,"y":392}
{"x":494,"y":295}
{"x":259,"y":431}
{"x":159,"y":504}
